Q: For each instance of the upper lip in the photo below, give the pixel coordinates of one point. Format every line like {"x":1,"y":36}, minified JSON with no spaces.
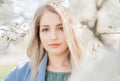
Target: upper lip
{"x":54,"y":44}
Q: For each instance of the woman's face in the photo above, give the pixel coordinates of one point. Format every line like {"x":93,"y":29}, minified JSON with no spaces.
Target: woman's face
{"x":51,"y":33}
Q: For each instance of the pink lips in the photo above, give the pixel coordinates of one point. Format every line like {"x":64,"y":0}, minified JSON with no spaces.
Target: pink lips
{"x":54,"y":45}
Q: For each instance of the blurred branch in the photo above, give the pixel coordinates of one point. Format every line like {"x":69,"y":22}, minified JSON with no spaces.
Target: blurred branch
{"x":102,"y":3}
{"x":118,"y":33}
{"x":5,"y":1}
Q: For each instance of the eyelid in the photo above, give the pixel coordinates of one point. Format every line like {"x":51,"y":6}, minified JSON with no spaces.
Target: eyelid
{"x":44,"y":29}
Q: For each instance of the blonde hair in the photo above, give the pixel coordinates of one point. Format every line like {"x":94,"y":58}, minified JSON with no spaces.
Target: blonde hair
{"x":36,"y":51}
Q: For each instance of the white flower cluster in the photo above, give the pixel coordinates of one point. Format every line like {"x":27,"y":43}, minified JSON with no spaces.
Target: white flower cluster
{"x":15,"y":20}
{"x":100,"y":16}
{"x":12,"y":33}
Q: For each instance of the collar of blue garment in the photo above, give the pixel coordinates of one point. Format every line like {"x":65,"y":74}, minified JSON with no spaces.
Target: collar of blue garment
{"x":42,"y":69}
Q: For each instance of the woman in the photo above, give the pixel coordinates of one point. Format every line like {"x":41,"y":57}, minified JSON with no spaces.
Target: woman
{"x":54,"y":50}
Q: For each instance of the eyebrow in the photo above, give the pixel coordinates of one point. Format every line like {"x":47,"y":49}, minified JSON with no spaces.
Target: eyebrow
{"x":59,"y":24}
{"x":44,"y":26}
{"x":48,"y":25}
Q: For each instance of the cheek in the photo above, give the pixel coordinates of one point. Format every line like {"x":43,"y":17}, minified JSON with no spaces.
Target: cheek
{"x":43,"y":39}
{"x":62,"y":37}
{"x":64,"y":41}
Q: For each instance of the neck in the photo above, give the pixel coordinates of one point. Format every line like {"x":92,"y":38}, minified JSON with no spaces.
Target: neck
{"x":58,"y":62}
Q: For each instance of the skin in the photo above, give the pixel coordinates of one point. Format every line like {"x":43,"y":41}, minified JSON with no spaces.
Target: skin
{"x":52,"y":38}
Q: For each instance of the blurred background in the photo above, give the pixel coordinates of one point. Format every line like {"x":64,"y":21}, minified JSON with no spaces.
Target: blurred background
{"x":15,"y":21}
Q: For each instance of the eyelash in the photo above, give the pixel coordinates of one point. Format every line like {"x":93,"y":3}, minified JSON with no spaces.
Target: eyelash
{"x":61,"y":28}
{"x":46,"y":29}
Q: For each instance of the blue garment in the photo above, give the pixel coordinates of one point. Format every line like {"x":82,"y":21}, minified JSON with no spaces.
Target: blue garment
{"x":23,"y":72}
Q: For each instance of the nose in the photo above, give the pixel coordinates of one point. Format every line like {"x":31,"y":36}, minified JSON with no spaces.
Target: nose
{"x":54,"y":35}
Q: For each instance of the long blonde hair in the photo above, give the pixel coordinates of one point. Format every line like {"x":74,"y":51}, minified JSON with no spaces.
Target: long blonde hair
{"x":36,"y":51}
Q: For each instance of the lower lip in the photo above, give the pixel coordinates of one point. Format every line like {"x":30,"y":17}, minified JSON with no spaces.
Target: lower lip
{"x":54,"y":45}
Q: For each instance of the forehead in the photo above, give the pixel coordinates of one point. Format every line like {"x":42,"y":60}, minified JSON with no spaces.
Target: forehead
{"x":50,"y":18}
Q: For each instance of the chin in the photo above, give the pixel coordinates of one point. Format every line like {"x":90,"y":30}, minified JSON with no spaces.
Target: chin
{"x":55,"y":52}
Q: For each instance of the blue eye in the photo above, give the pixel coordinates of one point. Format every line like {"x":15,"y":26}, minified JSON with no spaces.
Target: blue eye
{"x":45,"y":30}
